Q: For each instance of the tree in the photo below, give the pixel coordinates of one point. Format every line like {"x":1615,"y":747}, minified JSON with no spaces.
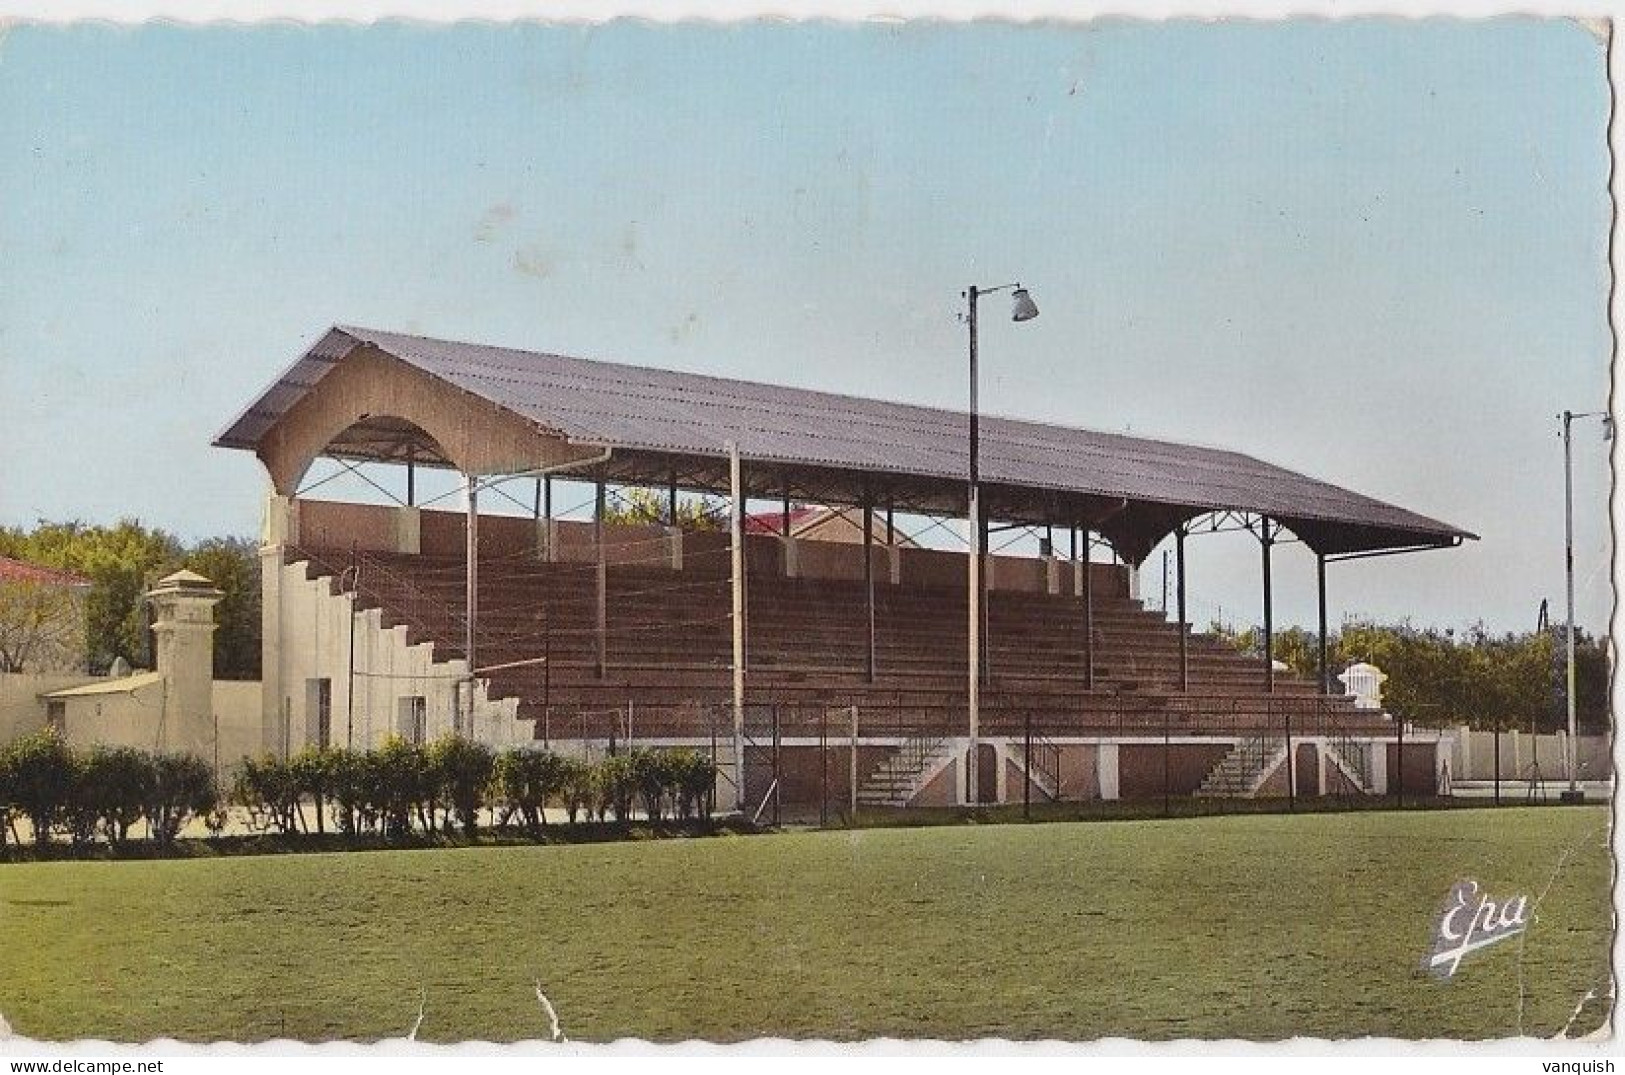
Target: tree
{"x":640,"y":506}
{"x":233,"y":565}
{"x":1441,"y":678}
{"x":41,"y":626}
{"x":122,"y":562}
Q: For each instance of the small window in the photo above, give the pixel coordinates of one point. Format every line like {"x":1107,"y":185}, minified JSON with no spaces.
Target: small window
{"x":412,"y":719}
{"x":319,"y":713}
{"x":56,"y":715}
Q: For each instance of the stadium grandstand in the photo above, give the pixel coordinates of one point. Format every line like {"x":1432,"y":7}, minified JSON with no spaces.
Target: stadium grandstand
{"x":818,"y":652}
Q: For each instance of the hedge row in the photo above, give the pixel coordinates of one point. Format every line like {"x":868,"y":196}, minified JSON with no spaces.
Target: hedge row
{"x":400,"y":788}
{"x":104,"y":791}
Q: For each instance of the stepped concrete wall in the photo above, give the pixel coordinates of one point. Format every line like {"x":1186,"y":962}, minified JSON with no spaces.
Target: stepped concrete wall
{"x":307,"y":636}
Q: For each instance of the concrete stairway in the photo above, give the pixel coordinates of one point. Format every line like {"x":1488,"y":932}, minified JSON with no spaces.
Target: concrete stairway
{"x":906,"y":770}
{"x":1240,"y":772}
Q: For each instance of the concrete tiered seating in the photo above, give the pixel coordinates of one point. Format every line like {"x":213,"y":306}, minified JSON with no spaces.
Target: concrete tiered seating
{"x":669,"y":647}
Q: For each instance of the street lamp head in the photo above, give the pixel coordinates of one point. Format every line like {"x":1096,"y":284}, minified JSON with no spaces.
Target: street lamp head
{"x":1022,"y":308}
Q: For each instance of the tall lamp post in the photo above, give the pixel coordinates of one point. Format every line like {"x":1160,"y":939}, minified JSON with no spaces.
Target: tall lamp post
{"x":1022,"y":309}
{"x":1573,"y":794}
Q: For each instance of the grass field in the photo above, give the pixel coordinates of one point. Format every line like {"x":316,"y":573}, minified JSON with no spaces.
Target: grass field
{"x":1248,"y":926}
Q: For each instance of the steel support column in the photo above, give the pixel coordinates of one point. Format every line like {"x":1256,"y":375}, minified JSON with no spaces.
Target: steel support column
{"x":784,"y":512}
{"x":602,"y":631}
{"x":1266,"y":540}
{"x":1088,"y":614}
{"x":1320,"y":590}
{"x":736,"y":561}
{"x":471,"y":586}
{"x":1184,"y":623}
{"x":869,"y":583}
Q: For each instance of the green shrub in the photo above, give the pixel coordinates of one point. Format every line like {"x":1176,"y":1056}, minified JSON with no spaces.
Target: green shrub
{"x":40,"y":773}
{"x":525,"y":780}
{"x":114,"y":786}
{"x":268,"y":789}
{"x":462,"y":775}
{"x":312,"y":771}
{"x":617,"y":786}
{"x":693,"y":778}
{"x":651,"y":773}
{"x":348,"y":790}
{"x":403,"y":787}
{"x":579,"y":788}
{"x":183,"y":787}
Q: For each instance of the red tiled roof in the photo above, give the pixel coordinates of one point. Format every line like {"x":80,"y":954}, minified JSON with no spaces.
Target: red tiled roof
{"x":21,"y":571}
{"x":771,"y":522}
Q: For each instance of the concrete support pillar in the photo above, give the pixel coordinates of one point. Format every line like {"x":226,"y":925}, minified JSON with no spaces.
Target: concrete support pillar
{"x":280,"y":525}
{"x":271,"y":648}
{"x":1106,"y":771}
{"x":961,"y":771}
{"x":184,"y":629}
{"x":674,"y":541}
{"x":1052,"y":575}
{"x":547,"y":540}
{"x":894,"y":565}
{"x":409,"y":530}
{"x":792,"y":558}
{"x":1379,"y":768}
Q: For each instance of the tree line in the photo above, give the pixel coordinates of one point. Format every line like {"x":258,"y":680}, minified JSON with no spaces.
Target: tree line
{"x":1444,"y":678}
{"x":121,"y":562}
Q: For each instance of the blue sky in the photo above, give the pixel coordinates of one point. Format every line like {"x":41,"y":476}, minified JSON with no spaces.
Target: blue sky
{"x":1373,"y":251}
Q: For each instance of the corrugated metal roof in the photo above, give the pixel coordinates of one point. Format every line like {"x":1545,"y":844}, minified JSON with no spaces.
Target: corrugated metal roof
{"x":633,"y":408}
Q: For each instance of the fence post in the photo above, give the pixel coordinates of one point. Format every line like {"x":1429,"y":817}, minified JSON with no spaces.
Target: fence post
{"x":823,"y":768}
{"x":776,"y":789}
{"x":852,"y":778}
{"x":1166,"y":746}
{"x":1291,"y":765}
{"x":1027,"y":771}
{"x":1497,"y":764}
{"x":1399,"y":767}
